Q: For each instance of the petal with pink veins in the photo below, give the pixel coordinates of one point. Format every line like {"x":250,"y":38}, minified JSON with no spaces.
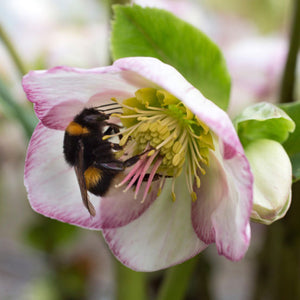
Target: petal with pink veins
{"x":64,"y":91}
{"x":52,"y":184}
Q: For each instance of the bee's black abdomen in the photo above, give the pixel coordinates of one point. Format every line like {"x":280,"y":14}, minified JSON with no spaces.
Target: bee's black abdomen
{"x":70,"y":148}
{"x":73,"y":135}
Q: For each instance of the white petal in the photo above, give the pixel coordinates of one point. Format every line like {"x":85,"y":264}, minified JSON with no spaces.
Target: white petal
{"x":161,"y":237}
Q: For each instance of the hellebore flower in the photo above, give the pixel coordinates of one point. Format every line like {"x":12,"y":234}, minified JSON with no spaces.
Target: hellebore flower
{"x":192,"y":185}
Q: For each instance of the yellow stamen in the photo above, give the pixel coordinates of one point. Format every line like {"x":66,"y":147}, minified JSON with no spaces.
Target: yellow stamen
{"x":150,"y":153}
{"x":173,"y":196}
{"x":194,"y":196}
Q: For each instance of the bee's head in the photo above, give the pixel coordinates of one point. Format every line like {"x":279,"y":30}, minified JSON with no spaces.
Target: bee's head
{"x":91,"y":118}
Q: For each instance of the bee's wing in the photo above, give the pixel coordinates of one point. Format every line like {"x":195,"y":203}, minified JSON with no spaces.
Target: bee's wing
{"x":79,"y":170}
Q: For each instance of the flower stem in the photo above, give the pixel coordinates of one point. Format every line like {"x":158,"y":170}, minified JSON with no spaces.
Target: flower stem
{"x":288,"y":79}
{"x":177,"y":280}
{"x":12,"y":51}
{"x":131,"y":285}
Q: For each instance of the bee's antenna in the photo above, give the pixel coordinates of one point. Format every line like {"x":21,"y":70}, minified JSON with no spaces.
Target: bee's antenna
{"x":108,"y":104}
{"x":107,"y":107}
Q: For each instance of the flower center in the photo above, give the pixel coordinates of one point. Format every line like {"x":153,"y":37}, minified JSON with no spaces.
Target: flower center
{"x":167,"y":135}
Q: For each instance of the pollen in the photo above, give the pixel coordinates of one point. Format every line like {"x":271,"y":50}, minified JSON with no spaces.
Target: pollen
{"x":169,"y":138}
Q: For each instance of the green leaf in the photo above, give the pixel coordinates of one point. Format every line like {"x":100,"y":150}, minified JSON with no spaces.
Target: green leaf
{"x":263,"y":121}
{"x":138,"y":31}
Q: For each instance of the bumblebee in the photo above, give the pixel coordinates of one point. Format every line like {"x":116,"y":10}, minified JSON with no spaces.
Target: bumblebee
{"x":93,"y":157}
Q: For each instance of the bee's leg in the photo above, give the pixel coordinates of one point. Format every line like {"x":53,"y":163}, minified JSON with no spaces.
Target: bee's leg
{"x":118,"y":165}
{"x":114,"y":165}
{"x":107,"y":146}
{"x":132,"y":160}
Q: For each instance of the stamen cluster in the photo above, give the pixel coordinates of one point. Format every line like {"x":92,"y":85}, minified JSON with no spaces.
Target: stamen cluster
{"x":167,"y":135}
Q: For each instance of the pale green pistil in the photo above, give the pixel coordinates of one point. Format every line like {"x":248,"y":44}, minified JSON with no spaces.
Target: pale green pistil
{"x":174,"y":139}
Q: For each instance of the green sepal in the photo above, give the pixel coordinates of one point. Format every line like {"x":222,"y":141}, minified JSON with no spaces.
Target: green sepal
{"x":292,"y":144}
{"x":138,"y":31}
{"x":263,"y":121}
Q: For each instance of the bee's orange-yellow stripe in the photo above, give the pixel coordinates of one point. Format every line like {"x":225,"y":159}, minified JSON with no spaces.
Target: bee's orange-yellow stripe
{"x":92,"y":176}
{"x":76,"y":129}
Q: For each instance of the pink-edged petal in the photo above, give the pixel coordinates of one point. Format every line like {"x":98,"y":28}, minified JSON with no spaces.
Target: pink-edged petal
{"x":233,"y":237}
{"x":52,"y":184}
{"x":161,"y":237}
{"x":118,"y":208}
{"x":64,"y":91}
{"x":221,"y":212}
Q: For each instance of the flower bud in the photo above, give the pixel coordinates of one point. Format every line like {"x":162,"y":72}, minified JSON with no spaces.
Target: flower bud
{"x":272,"y":173}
